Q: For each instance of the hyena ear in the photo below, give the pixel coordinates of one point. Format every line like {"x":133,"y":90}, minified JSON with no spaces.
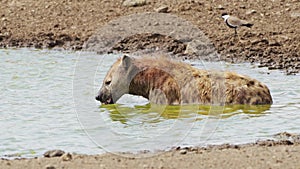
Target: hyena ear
{"x":126,"y":61}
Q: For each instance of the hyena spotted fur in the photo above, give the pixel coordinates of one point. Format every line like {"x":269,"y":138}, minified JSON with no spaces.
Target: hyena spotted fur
{"x":165,"y":81}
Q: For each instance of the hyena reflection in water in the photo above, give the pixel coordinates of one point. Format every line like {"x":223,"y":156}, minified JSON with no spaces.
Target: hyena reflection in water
{"x":165,"y":81}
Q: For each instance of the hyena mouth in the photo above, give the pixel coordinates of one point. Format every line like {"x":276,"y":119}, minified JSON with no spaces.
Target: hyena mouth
{"x":108,"y":101}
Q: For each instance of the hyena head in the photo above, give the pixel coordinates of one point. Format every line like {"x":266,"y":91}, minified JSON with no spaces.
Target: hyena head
{"x":117,"y":80}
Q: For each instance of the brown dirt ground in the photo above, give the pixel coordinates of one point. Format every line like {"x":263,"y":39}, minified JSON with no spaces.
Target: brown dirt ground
{"x":263,"y":154}
{"x":273,"y":41}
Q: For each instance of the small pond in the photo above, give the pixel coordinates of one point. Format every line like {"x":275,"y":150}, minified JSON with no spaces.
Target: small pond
{"x":47,"y":102}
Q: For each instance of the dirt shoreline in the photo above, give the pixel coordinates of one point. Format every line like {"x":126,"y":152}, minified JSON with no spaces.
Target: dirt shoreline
{"x":262,"y":154}
{"x":272,"y":42}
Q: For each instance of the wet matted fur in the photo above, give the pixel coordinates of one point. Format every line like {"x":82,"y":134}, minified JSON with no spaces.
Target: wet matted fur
{"x":166,"y":81}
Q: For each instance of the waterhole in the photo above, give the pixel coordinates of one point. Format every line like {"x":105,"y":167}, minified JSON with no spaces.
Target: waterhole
{"x":38,"y":111}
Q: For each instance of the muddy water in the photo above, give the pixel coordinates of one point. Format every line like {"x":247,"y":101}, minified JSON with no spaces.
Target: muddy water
{"x":43,"y":107}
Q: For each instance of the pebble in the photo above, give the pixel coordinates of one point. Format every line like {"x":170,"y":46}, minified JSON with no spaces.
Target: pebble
{"x":242,"y":6}
{"x":162,"y":9}
{"x":50,"y":167}
{"x":183,"y":151}
{"x":66,"y":157}
{"x":134,"y":3}
{"x":220,"y":7}
{"x":54,"y":153}
{"x":274,"y":43}
{"x":4,"y":19}
{"x":251,"y":12}
{"x":156,"y":24}
{"x":295,"y":14}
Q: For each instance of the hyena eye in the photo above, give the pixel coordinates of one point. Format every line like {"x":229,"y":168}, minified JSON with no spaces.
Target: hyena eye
{"x":108,"y":82}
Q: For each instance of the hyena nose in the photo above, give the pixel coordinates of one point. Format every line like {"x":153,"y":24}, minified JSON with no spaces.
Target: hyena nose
{"x":98,"y":97}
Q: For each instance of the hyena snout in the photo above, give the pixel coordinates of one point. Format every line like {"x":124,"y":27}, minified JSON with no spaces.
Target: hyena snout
{"x":99,"y":97}
{"x":104,"y":98}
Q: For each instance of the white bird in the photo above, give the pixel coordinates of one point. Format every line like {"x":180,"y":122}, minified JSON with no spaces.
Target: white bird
{"x":234,"y":22}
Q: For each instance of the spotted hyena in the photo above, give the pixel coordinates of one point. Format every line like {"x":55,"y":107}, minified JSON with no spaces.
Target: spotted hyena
{"x":165,"y":81}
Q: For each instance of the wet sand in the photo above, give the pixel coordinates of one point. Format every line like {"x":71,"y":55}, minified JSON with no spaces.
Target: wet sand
{"x":265,"y":154}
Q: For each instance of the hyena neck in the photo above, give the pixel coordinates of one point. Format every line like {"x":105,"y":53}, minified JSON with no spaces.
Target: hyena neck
{"x":153,"y":83}
{"x":140,"y":85}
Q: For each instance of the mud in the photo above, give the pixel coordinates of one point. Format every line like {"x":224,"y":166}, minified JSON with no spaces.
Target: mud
{"x":272,"y":42}
{"x":262,"y":154}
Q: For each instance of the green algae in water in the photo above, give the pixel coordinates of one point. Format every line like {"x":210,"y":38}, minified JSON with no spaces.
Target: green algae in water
{"x":157,"y":113}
